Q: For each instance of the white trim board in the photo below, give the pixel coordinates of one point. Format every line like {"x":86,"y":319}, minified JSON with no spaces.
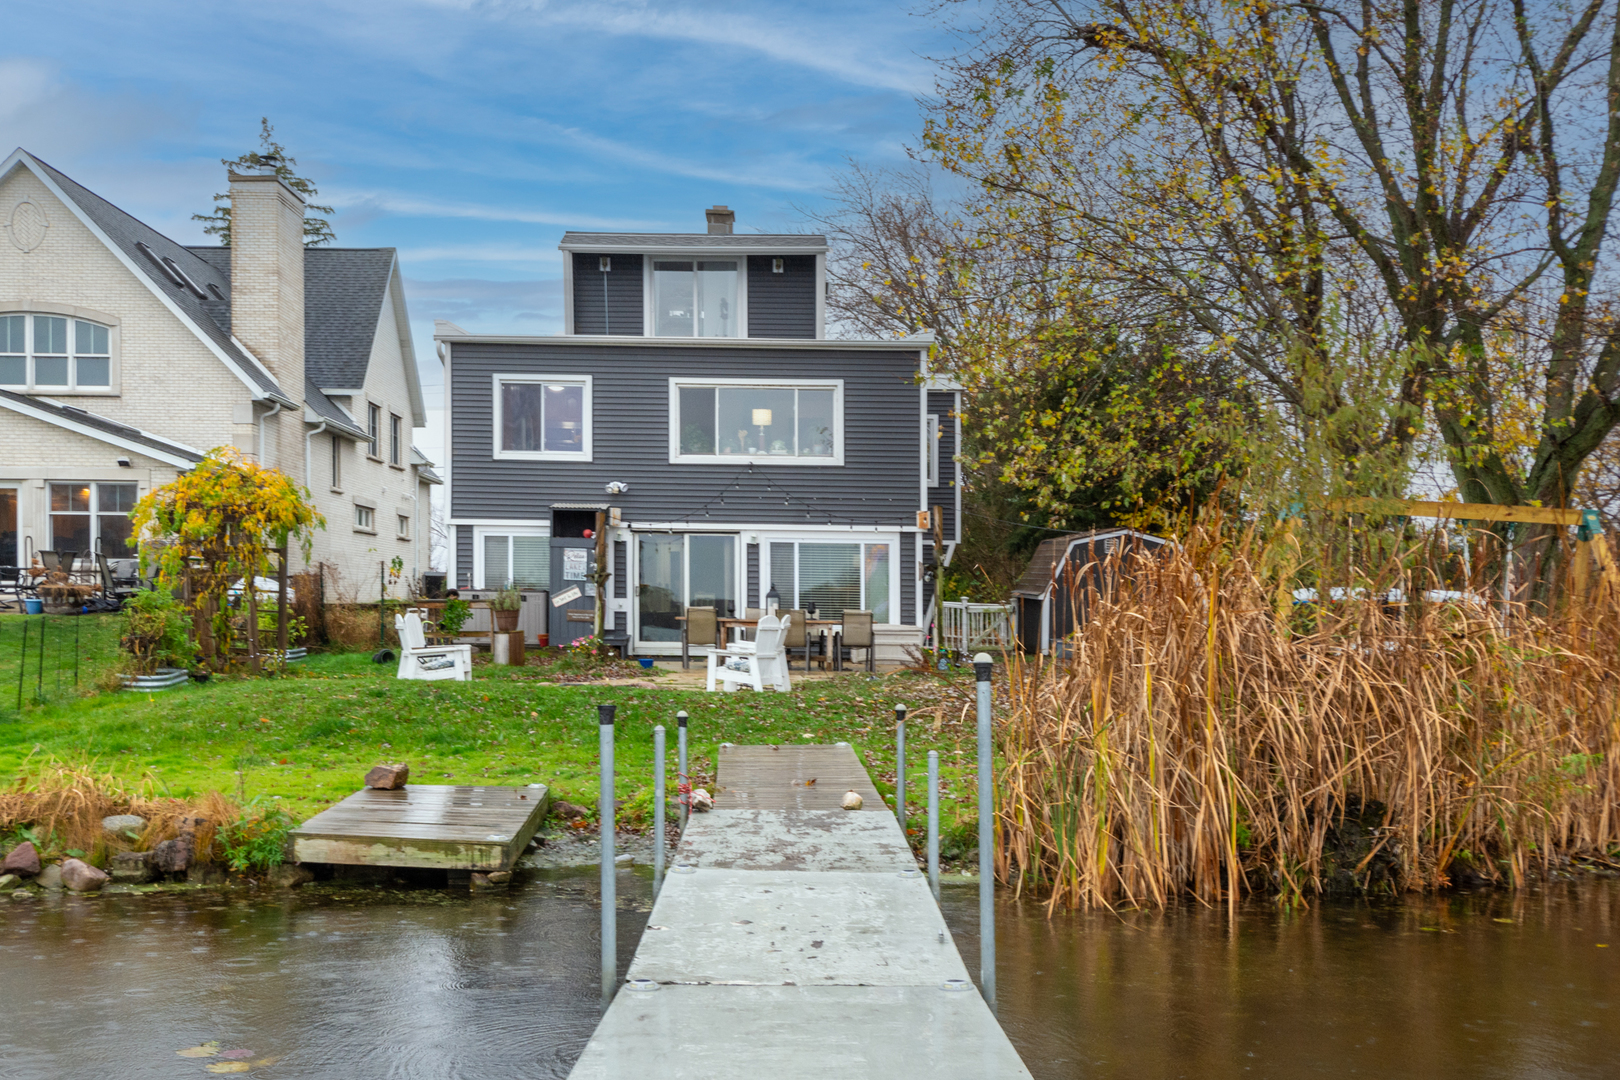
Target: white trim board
{"x":110,"y":438}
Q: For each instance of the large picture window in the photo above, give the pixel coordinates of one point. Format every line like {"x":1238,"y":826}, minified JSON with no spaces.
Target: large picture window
{"x":54,"y":353}
{"x":87,"y":518}
{"x":543,"y":417}
{"x":504,"y":557}
{"x":695,"y":298}
{"x":740,"y":422}
{"x":832,"y":577}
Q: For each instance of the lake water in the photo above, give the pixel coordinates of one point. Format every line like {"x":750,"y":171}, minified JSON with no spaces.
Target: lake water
{"x":372,"y":983}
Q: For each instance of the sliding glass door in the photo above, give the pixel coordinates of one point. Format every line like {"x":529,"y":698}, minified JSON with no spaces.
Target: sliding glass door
{"x":8,"y":527}
{"x":677,"y":570}
{"x":832,"y":577}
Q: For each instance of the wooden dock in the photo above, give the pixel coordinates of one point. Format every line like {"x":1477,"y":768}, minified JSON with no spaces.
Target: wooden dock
{"x":796,"y":940}
{"x":442,"y":826}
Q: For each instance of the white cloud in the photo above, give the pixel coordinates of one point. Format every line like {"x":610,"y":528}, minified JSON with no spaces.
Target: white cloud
{"x":376,"y":203}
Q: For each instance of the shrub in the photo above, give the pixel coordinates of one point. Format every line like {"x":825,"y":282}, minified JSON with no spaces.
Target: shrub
{"x":257,"y":839}
{"x":155,"y":628}
{"x":507,"y":599}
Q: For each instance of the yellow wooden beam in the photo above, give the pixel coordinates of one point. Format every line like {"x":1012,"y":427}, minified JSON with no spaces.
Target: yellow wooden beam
{"x":1457,"y":511}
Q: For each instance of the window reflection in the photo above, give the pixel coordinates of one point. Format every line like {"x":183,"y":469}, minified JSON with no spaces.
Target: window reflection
{"x":695,"y":298}
{"x":546,"y":417}
{"x":757,"y":421}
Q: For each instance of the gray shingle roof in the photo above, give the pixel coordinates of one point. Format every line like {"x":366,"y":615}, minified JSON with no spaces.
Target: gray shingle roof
{"x":343,"y":298}
{"x":787,"y":243}
{"x":129,"y":233}
{"x":80,"y":417}
{"x":329,"y":410}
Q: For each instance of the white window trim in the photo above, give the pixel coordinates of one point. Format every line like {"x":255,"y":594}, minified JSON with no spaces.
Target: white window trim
{"x":647,"y":312}
{"x":396,"y":440}
{"x":94,"y":514}
{"x":678,"y":458}
{"x":501,"y":453}
{"x":891,"y":539}
{"x":374,"y":444}
{"x":931,"y":452}
{"x":369,"y":530}
{"x":525,"y":528}
{"x":71,"y":314}
{"x":402,"y":526}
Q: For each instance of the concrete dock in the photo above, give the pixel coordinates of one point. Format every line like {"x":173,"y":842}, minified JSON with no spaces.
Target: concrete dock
{"x":792,"y":940}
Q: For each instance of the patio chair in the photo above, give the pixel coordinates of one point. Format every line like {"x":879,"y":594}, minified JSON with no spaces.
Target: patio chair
{"x":761,"y":664}
{"x":419,"y":660}
{"x":16,"y":582}
{"x":57,"y":562}
{"x":701,"y":629}
{"x":110,"y":585}
{"x":856,"y":633}
{"x":798,"y":636}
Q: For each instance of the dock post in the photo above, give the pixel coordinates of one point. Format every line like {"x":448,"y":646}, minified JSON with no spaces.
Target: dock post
{"x":605,"y":819}
{"x":680,"y":749}
{"x":987,"y":837}
{"x":900,"y":768}
{"x":933,"y":823}
{"x":658,"y":808}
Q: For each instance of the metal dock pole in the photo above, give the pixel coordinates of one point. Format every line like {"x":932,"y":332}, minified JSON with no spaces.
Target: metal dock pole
{"x":658,"y":808}
{"x":605,"y":819}
{"x":900,"y":767}
{"x":933,"y":823}
{"x":680,"y":749}
{"x":987,"y":838}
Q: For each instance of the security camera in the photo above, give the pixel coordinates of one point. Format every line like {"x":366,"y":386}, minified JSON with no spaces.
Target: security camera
{"x":125,"y":462}
{"x":617,"y":488}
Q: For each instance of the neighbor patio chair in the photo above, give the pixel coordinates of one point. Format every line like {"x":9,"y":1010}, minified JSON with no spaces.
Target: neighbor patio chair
{"x":700,"y":630}
{"x":756,"y":663}
{"x":110,"y":586}
{"x":856,"y":633}
{"x":419,"y":660}
{"x":798,"y":636}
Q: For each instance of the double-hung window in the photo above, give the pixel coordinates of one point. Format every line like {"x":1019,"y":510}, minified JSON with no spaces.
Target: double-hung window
{"x":54,"y":353}
{"x":695,"y":298}
{"x":373,"y":424}
{"x":87,"y":518}
{"x":395,"y":439}
{"x":543,"y":417}
{"x":832,"y":577}
{"x":504,"y":556}
{"x":739,"y":421}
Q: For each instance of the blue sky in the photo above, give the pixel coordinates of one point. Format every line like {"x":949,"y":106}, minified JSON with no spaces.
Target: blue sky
{"x":469,"y":135}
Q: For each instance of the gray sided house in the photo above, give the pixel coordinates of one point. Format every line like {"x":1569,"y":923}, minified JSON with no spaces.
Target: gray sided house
{"x":696,"y":401}
{"x":1055,"y":591}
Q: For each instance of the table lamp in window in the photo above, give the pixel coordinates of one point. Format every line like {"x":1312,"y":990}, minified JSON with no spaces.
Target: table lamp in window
{"x":762,"y":420}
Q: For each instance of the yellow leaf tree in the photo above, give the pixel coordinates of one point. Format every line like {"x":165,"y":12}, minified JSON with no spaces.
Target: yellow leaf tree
{"x":219,"y":524}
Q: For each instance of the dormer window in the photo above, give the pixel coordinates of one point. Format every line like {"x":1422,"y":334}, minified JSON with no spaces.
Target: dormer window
{"x":695,"y":298}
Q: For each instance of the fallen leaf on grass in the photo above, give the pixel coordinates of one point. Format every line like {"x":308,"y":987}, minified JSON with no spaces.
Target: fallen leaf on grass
{"x":207,"y":1049}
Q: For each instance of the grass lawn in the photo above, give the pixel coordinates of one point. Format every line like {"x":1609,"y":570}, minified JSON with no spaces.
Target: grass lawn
{"x":306,"y":741}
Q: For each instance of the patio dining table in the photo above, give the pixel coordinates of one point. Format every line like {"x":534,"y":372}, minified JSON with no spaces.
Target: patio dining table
{"x":820,"y":627}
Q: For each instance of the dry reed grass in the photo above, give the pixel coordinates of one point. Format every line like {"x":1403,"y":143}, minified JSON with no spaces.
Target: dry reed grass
{"x":1194,"y":745}
{"x":63,"y":805}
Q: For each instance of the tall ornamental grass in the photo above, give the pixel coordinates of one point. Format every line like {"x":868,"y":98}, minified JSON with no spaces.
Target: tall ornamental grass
{"x":1203,"y":740}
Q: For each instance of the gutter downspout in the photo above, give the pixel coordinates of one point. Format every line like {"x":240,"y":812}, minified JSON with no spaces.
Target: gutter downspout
{"x":309,"y":466}
{"x":262,"y":418}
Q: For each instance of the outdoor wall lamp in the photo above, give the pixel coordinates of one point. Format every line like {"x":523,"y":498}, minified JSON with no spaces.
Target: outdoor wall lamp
{"x":617,"y":487}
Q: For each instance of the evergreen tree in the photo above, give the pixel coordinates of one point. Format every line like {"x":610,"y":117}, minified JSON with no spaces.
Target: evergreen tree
{"x":317,"y":230}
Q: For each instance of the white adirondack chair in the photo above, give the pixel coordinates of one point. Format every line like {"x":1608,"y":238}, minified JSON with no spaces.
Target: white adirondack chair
{"x":756,"y":663}
{"x":419,"y":660}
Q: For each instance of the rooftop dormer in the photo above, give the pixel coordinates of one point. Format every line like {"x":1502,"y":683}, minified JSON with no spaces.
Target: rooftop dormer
{"x":714,"y":284}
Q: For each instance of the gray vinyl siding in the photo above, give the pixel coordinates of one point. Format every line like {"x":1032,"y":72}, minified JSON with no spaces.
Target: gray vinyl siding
{"x":942,"y":403}
{"x":877,"y":484}
{"x":782,"y":305}
{"x":610,"y":307}
{"x":464,"y":557}
{"x":755,"y":593}
{"x":908,"y":579}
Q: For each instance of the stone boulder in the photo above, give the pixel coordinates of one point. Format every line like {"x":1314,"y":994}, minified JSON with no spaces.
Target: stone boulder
{"x":80,"y":876}
{"x":50,"y":877}
{"x":495,"y":879}
{"x":291,"y":876}
{"x":132,"y":867}
{"x":853,"y":800}
{"x":567,"y":810}
{"x":123,"y":823}
{"x":22,"y":860}
{"x":172,"y":856}
{"x":9,"y":882}
{"x":388,"y":777}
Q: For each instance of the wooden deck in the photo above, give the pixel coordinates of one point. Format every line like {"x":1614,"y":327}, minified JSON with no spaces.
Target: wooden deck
{"x":446,"y":827}
{"x":789,"y":777}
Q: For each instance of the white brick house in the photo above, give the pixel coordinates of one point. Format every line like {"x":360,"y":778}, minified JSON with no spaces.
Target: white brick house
{"x":125,"y":356}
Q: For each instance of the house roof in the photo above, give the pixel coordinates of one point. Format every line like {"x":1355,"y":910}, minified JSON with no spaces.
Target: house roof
{"x":99,"y":427}
{"x":197,"y":297}
{"x":331,"y":412}
{"x":1050,"y":556}
{"x":424,"y":467}
{"x":742,"y":243}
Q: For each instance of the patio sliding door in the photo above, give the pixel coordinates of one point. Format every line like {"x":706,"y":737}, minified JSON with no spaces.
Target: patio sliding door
{"x":8,"y":527}
{"x":832,"y":577}
{"x":674,"y":570}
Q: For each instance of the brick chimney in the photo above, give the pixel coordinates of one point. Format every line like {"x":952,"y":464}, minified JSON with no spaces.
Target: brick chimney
{"x":721,"y":220}
{"x":267,"y":273}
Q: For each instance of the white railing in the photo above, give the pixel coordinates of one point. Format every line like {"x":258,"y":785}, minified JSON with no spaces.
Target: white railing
{"x":967,"y":628}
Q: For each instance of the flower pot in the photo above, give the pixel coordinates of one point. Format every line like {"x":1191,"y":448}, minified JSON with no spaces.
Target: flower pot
{"x":506,"y":620}
{"x":34,"y":606}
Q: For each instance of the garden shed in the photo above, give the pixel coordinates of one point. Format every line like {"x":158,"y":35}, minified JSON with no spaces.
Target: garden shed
{"x":1050,"y":598}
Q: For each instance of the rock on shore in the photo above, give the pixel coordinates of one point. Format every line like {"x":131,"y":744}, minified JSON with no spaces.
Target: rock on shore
{"x":22,"y":860}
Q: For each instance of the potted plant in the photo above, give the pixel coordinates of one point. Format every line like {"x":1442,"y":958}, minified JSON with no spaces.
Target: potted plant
{"x":454,"y":616}
{"x":505,"y":604}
